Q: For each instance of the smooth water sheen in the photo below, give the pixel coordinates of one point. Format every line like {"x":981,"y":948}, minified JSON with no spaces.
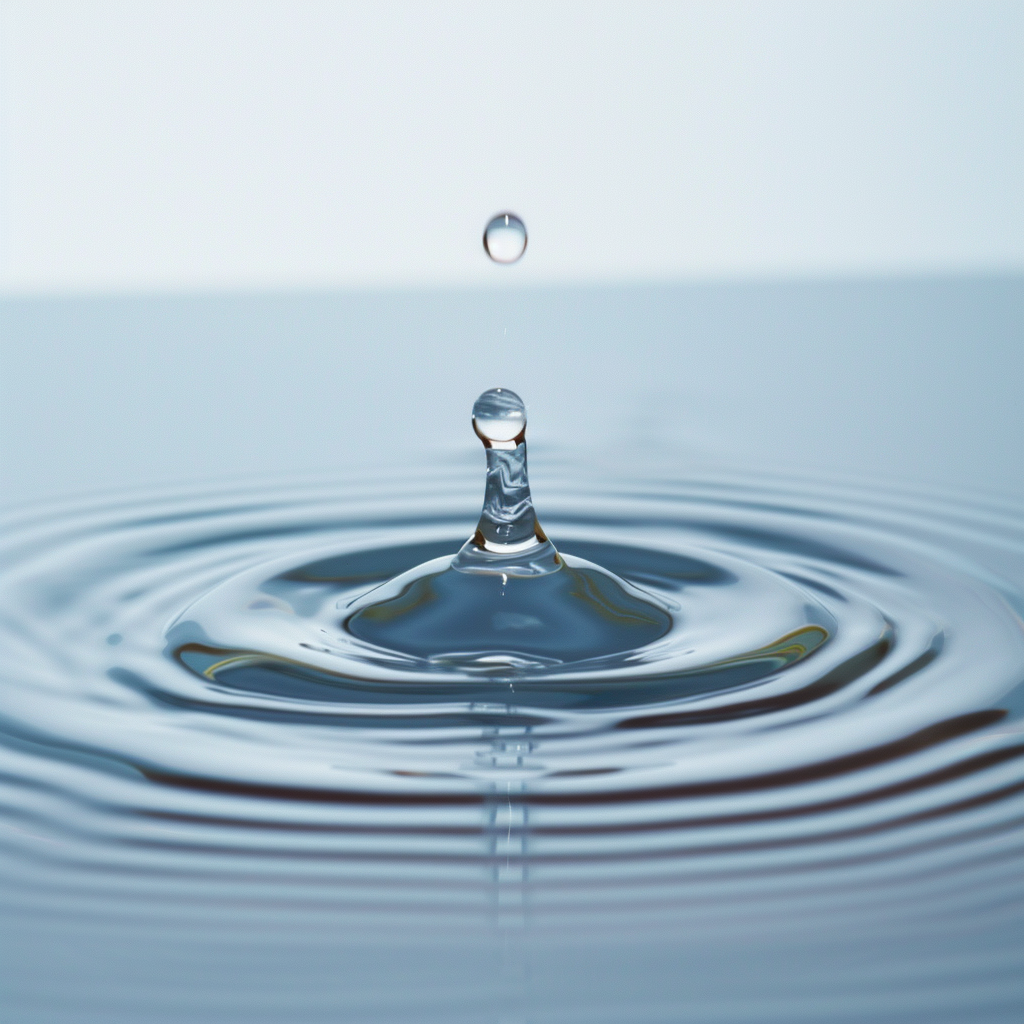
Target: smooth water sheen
{"x":818,"y":733}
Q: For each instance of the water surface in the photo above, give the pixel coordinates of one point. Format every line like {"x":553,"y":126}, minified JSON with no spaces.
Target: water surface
{"x":832,"y":747}
{"x":804,"y":805}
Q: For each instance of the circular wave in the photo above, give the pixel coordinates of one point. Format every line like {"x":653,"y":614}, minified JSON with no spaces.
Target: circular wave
{"x":832,"y":720}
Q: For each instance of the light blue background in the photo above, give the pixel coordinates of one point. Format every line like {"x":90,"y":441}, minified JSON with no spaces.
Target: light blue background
{"x":916,"y":381}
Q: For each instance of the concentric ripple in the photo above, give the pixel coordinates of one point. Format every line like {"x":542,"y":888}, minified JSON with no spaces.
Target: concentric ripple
{"x":831,"y":722}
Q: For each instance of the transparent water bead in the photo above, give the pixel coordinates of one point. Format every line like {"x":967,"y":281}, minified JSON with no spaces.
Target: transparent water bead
{"x":505,"y":238}
{"x":507,"y":599}
{"x":499,"y":418}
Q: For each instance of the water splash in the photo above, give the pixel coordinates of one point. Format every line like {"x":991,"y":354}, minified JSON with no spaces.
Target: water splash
{"x":507,"y":601}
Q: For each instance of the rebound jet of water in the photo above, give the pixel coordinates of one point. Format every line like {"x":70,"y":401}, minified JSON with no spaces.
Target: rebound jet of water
{"x":508,"y":599}
{"x":508,"y":538}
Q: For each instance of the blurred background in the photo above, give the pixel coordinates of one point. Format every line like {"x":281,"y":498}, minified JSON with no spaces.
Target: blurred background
{"x":244,"y":237}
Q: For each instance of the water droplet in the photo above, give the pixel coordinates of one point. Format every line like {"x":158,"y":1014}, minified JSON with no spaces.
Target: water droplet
{"x":505,"y":238}
{"x":499,"y":415}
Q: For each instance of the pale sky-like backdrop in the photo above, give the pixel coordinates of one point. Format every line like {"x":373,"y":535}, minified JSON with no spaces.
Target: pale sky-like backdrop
{"x":253,"y":145}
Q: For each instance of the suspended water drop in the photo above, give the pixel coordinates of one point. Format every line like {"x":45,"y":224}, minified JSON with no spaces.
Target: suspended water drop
{"x":505,"y":238}
{"x":499,"y":417}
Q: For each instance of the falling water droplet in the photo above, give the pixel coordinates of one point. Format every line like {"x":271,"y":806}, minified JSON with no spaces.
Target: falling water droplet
{"x":505,"y":238}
